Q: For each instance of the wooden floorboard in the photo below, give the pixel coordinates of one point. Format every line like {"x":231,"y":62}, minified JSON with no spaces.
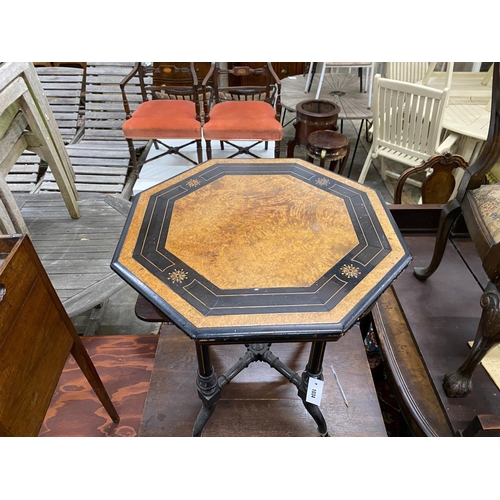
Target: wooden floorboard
{"x":124,"y":363}
{"x":260,"y":401}
{"x":76,"y":252}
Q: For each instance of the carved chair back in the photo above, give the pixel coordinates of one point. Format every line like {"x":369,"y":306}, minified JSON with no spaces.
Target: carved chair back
{"x":232,"y":84}
{"x":165,"y":81}
{"x":439,"y":183}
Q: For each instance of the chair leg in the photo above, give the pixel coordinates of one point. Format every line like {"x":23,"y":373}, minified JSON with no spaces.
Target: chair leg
{"x":449,"y":215}
{"x":458,"y":383}
{"x":355,"y":147}
{"x":208,"y":147}
{"x":133,"y":157}
{"x":383,"y":168}
{"x":366,"y":166}
{"x":310,"y":76}
{"x":83,"y":360}
{"x":283,"y":116}
{"x":199,"y":151}
{"x":343,"y":162}
{"x":321,"y":77}
{"x":277,"y":149}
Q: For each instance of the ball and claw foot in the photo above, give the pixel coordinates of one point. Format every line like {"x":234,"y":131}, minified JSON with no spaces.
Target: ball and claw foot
{"x":456,"y":384}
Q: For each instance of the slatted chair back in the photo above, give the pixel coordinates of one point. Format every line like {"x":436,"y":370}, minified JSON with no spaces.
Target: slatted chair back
{"x":410,"y":72}
{"x":407,"y":118}
{"x":27,"y":122}
{"x":407,"y":124}
{"x":104,"y":112}
{"x":63,"y":87}
{"x":36,"y":337}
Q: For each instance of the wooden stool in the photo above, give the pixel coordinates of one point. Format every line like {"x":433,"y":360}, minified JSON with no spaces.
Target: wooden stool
{"x":327,"y":145}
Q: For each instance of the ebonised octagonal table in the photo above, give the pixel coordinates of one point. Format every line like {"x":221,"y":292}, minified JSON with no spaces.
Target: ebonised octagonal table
{"x":260,"y":251}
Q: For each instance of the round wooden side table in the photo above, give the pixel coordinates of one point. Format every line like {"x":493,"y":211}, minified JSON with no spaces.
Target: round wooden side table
{"x":327,"y":145}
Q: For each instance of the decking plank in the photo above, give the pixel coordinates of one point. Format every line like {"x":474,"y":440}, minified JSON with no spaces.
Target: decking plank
{"x":76,"y":252}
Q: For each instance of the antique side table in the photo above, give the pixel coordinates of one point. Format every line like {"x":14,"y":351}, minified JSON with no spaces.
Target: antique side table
{"x":328,"y":146}
{"x":260,"y":251}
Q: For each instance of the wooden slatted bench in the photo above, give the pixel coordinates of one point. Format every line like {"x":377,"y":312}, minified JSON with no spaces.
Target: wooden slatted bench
{"x":101,"y":159}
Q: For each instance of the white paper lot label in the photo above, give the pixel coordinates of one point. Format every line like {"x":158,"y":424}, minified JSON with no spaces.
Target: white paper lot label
{"x":314,"y":391}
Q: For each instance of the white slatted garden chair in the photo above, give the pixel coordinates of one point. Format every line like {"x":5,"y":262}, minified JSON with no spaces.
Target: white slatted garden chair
{"x":410,"y":72}
{"x":407,"y":123}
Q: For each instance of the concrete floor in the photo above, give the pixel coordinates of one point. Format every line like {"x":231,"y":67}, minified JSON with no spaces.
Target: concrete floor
{"x":118,"y":316}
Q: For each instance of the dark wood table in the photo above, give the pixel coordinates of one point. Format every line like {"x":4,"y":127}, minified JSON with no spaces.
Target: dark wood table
{"x":257,"y":252}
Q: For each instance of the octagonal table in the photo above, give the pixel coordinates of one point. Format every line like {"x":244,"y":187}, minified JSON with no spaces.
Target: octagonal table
{"x":260,"y":251}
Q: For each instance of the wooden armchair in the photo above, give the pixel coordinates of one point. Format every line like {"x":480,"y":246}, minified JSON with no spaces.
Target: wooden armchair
{"x":242,"y":110}
{"x":480,"y":206}
{"x":439,"y":183}
{"x":171,"y":109}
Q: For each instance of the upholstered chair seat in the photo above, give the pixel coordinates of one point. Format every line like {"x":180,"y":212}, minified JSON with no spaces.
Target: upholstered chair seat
{"x":243,"y":120}
{"x":162,"y":118}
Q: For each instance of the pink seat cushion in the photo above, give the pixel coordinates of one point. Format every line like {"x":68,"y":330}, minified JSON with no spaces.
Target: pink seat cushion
{"x":240,"y":120}
{"x":163,"y":119}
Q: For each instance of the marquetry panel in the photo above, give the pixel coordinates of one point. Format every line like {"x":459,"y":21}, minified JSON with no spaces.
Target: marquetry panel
{"x":259,"y":245}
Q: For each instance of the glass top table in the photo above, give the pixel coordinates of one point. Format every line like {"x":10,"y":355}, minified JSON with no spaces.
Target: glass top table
{"x":260,"y":251}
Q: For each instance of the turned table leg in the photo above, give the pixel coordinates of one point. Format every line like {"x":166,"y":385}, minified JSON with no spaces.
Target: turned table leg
{"x":208,"y":388}
{"x":314,"y":370}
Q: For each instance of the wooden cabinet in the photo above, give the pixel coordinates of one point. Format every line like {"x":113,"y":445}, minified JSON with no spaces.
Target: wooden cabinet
{"x":202,"y":69}
{"x":282,"y":69}
{"x":36,"y":337}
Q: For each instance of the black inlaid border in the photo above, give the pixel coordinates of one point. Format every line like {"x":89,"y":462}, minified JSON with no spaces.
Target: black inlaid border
{"x":208,"y":299}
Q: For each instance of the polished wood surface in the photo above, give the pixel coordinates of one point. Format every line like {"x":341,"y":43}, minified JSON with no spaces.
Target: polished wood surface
{"x":312,"y":115}
{"x":327,"y":145}
{"x":415,"y":392}
{"x":283,"y":69}
{"x":36,"y":337}
{"x":288,"y":267}
{"x":425,"y":334}
{"x":259,"y":401}
{"x":125,"y":364}
{"x":438,"y":186}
